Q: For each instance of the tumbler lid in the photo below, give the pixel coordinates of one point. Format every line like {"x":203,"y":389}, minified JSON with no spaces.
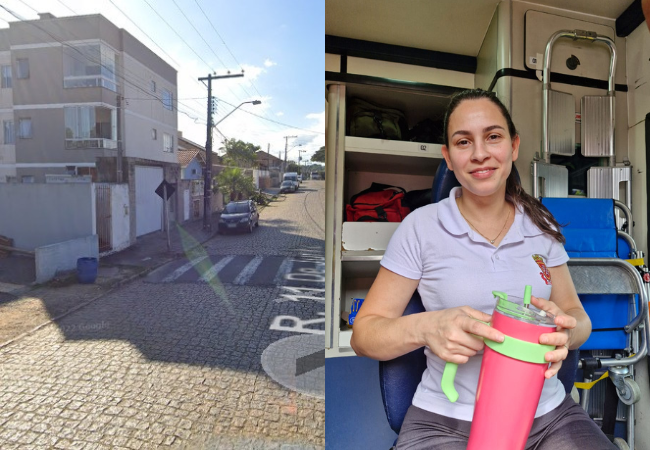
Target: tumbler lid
{"x":521,"y":311}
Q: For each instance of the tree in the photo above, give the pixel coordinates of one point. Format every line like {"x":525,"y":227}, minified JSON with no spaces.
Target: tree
{"x":292,"y":166}
{"x":319,"y":155}
{"x":234,"y":184}
{"x":240,"y":153}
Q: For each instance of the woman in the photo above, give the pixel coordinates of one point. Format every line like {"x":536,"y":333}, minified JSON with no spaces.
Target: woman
{"x":488,"y":235}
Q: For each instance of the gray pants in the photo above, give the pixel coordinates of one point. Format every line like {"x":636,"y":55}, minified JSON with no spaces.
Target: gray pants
{"x":567,"y":427}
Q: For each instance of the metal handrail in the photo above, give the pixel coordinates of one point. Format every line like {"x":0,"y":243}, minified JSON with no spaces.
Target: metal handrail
{"x":546,"y":85}
{"x":643,"y":300}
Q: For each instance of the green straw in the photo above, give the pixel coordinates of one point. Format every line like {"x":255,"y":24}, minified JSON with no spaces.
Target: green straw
{"x":527,"y":293}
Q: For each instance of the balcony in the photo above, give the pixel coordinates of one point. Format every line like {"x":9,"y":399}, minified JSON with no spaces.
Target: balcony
{"x":78,"y":144}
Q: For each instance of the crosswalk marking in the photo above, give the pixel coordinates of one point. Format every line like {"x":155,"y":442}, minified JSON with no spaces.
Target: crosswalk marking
{"x":285,"y":268}
{"x":248,"y":271}
{"x":212,"y":272}
{"x":182,"y":269}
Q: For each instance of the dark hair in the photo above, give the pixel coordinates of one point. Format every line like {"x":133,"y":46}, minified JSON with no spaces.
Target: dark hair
{"x":533,"y":208}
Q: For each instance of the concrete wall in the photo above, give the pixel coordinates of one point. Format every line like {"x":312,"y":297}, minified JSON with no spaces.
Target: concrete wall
{"x":120,"y":220}
{"x":638,"y":95}
{"x":186,"y":173}
{"x":62,"y":256}
{"x":34,"y":215}
{"x":142,"y":113}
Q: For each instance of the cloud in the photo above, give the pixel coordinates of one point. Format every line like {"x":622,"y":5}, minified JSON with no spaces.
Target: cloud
{"x":252,"y":72}
{"x":279,"y":114}
{"x":269,"y":63}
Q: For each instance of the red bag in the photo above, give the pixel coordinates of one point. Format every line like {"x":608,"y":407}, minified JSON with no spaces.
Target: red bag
{"x":378,"y":203}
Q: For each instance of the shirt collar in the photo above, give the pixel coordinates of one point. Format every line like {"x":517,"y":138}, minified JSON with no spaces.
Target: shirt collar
{"x":451,"y":219}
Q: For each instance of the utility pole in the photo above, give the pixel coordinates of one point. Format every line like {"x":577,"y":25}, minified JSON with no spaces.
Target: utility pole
{"x":207,"y":174}
{"x":119,"y":175}
{"x":300,"y":152}
{"x":286,"y":147}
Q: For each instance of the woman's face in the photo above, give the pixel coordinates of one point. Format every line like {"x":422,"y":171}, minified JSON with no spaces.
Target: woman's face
{"x":480,"y":150}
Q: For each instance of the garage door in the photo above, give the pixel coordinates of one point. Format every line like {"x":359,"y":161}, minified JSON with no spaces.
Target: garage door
{"x":148,"y":206}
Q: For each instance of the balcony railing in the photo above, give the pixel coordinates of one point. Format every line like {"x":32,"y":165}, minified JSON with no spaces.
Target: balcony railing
{"x":74,"y":144}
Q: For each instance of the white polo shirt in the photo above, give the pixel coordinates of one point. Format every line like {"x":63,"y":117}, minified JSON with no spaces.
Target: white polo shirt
{"x":456,"y":266}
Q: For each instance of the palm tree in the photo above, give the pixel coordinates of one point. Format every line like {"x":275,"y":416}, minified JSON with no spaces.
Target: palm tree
{"x":234,"y":184}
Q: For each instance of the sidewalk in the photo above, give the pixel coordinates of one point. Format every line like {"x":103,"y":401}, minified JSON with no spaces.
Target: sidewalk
{"x":26,"y":306}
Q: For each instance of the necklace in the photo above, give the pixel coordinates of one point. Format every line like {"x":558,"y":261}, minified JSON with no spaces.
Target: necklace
{"x":472,"y":225}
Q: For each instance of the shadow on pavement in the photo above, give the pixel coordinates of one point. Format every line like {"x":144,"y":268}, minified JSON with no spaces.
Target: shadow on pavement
{"x":202,"y":324}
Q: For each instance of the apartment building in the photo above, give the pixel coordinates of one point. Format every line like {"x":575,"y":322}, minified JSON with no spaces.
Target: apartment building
{"x":83,"y":100}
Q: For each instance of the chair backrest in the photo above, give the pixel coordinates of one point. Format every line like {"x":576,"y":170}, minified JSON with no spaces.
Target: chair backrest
{"x":399,"y":378}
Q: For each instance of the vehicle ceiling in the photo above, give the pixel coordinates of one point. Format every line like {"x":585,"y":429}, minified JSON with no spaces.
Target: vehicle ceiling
{"x":460,"y":30}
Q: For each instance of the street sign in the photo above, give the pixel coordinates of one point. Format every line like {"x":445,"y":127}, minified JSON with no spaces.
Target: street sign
{"x":160,"y":190}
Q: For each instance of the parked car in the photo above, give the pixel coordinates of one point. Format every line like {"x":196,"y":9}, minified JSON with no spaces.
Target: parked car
{"x":293,"y":177}
{"x":238,"y":216}
{"x":287,"y":186}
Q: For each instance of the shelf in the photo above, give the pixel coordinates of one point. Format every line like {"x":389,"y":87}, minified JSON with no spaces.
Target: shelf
{"x":360,"y":256}
{"x":344,"y":338}
{"x":367,"y":236}
{"x":367,"y":268}
{"x":392,"y":164}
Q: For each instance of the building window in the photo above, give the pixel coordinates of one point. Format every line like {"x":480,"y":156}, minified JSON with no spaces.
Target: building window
{"x":153,"y":86}
{"x":154,"y":134}
{"x":8,"y":132}
{"x":89,"y":65}
{"x":5,"y":72}
{"x":193,"y":171}
{"x":167,"y":99}
{"x":27,"y":178}
{"x":22,"y":68}
{"x":25,"y":128}
{"x":167,"y":143}
{"x":90,"y":127}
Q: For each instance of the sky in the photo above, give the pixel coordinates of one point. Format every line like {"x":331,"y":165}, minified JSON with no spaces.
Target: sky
{"x":278,"y":44}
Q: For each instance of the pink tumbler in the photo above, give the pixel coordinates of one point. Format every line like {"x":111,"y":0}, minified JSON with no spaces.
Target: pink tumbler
{"x":511,"y":378}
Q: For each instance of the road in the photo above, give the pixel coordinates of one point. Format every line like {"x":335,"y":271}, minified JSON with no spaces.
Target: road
{"x":221,"y":349}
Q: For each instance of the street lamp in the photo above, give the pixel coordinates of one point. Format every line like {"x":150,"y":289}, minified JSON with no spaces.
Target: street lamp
{"x":300,"y":152}
{"x":207,"y":179}
{"x":254,"y":102}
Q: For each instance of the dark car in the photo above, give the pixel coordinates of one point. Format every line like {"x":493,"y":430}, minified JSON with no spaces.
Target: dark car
{"x":287,"y":186}
{"x":238,"y":216}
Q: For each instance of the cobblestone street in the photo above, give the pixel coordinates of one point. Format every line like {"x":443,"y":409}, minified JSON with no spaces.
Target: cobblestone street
{"x":177,"y":365}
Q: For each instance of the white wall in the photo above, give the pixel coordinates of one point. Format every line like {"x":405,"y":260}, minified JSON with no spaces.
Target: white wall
{"x":142,"y":112}
{"x":120,"y":221}
{"x":638,"y":95}
{"x":34,"y":215}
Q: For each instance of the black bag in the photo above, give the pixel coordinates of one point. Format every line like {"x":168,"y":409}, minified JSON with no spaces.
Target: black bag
{"x":427,"y":131}
{"x":372,"y":121}
{"x":416,"y":199}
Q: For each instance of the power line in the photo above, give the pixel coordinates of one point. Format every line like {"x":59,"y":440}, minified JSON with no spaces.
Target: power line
{"x":225,"y":45}
{"x":149,"y":37}
{"x":88,"y":58}
{"x":274,"y":121}
{"x":179,"y":36}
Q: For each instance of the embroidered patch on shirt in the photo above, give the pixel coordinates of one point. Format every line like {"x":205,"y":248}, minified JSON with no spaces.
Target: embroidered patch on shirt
{"x":546,"y":275}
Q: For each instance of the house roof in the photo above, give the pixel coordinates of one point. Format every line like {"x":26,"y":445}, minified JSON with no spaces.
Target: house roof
{"x":264,"y":157}
{"x":186,"y":156}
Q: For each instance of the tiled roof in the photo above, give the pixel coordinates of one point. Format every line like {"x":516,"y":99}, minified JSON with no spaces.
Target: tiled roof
{"x":186,"y":156}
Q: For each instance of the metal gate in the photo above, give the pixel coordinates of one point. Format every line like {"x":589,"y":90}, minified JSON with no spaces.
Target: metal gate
{"x":103,"y":216}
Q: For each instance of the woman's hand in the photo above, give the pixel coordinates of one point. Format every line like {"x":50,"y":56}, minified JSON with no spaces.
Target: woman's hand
{"x":456,"y":334}
{"x":561,"y":337}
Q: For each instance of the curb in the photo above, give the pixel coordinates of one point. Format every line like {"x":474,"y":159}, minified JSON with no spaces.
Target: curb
{"x":116,"y":286}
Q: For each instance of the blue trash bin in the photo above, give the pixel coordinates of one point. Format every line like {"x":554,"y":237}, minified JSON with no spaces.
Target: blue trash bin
{"x":87,"y":270}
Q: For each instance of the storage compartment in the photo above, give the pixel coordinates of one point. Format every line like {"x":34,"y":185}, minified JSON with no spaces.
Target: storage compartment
{"x":358,"y":274}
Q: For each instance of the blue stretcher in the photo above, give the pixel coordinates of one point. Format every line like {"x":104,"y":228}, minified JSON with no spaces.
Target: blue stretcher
{"x":612,"y":292}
